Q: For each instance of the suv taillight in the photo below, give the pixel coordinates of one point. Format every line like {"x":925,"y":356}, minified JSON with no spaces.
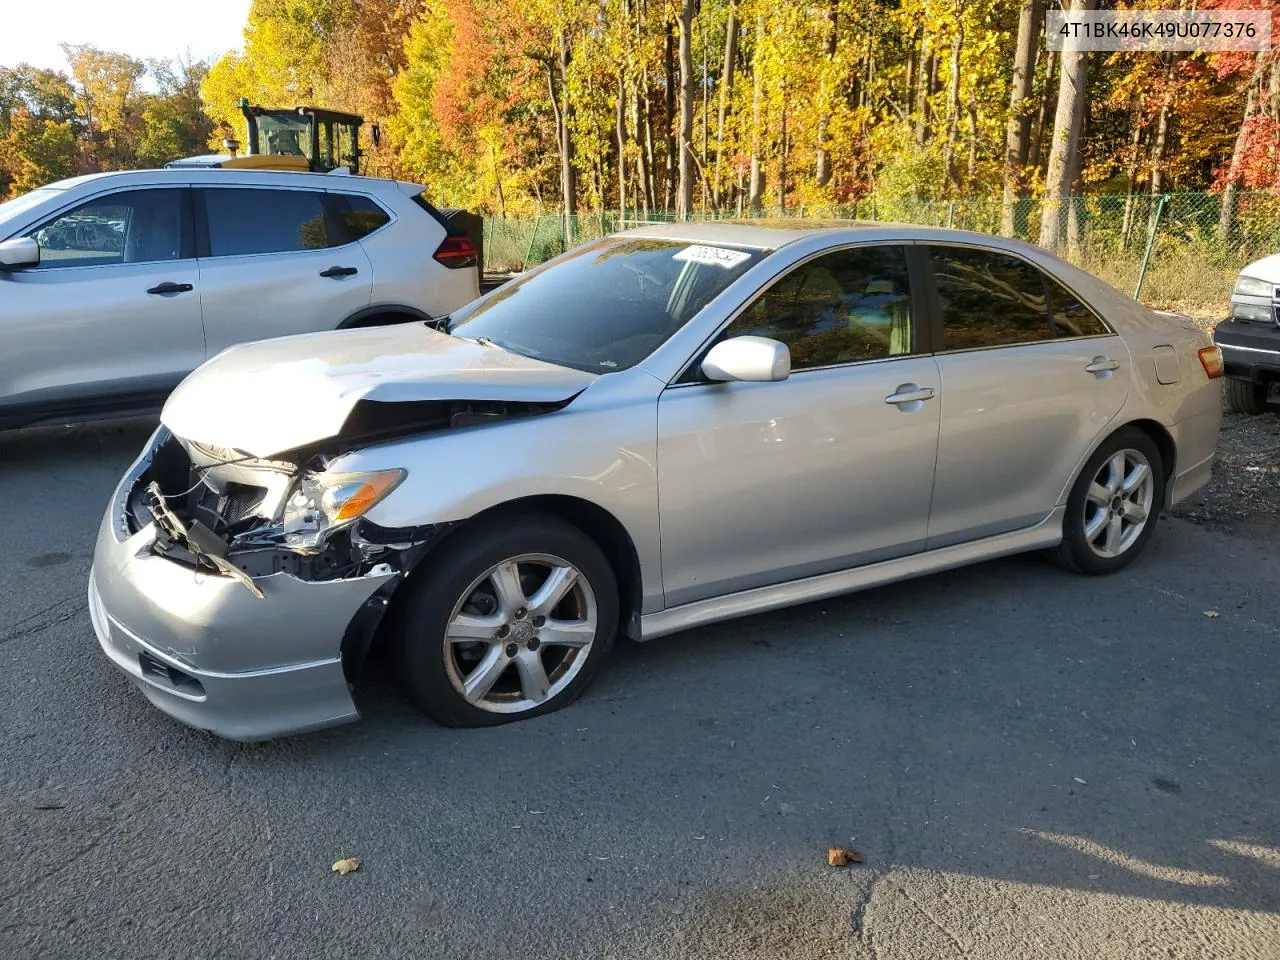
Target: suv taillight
{"x":1211,"y":360}
{"x":456,"y":251}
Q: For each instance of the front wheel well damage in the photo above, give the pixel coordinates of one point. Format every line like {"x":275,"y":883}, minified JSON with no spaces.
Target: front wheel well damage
{"x":599,"y":524}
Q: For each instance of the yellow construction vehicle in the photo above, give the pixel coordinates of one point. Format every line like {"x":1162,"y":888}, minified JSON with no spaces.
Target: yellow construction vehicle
{"x":298,"y":138}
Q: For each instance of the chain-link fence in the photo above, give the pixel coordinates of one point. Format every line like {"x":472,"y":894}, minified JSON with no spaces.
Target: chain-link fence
{"x":1191,"y":248}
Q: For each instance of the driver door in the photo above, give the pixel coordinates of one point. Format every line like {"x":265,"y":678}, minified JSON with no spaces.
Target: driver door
{"x":761,"y":483}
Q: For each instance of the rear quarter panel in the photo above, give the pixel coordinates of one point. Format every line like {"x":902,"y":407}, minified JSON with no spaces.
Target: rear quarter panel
{"x":1190,"y":408}
{"x":404,"y":272}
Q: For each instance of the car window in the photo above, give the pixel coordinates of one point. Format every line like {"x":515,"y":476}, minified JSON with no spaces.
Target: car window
{"x":265,"y":221}
{"x":360,"y":216}
{"x":1070,"y":317}
{"x":988,"y":298}
{"x":136,"y":226}
{"x":843,"y":307}
{"x":606,"y":305}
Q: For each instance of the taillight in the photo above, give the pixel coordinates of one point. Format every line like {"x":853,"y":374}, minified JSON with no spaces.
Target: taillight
{"x":456,"y":251}
{"x":1211,"y":360}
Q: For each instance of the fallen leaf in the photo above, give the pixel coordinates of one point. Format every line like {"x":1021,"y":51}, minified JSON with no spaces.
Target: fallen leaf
{"x":1212,"y":613}
{"x":346,"y":865}
{"x":841,"y":856}
{"x":1080,"y":780}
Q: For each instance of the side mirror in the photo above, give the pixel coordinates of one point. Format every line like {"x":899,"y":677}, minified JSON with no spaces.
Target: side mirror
{"x":18,"y":253}
{"x":748,"y":358}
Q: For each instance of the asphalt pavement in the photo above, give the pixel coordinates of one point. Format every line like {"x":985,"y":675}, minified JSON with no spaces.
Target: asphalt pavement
{"x":1032,"y":763}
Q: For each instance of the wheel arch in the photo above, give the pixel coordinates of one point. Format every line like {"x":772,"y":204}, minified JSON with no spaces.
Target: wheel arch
{"x":1159,"y":435}
{"x":384,"y":314}
{"x":593,"y":520}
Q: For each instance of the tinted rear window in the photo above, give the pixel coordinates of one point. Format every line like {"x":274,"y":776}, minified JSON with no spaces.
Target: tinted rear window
{"x":360,"y":216}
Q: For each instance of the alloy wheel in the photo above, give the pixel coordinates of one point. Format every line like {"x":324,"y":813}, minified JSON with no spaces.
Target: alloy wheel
{"x":520,"y":633}
{"x":1118,"y":503}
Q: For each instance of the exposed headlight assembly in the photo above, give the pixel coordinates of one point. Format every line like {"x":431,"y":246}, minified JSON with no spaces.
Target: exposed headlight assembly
{"x":1251,"y":287}
{"x":325,"y":502}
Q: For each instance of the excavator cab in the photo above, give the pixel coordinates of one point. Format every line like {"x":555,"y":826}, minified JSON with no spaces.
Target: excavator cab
{"x":326,"y":139}
{"x":297,"y":138}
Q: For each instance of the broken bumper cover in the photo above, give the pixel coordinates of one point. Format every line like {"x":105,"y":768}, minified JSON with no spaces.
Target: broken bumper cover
{"x":206,"y":650}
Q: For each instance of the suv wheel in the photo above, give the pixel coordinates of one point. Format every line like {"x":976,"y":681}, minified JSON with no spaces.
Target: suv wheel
{"x":1246,"y":397}
{"x":511,"y":621}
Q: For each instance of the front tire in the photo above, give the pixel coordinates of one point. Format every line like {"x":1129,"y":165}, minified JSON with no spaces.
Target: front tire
{"x":512,"y":620}
{"x":1113,"y":507}
{"x":1246,"y":397}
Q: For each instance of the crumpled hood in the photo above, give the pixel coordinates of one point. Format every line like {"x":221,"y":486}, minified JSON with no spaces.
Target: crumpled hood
{"x":267,"y":397}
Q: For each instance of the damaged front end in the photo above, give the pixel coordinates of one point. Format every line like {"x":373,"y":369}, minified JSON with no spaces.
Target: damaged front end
{"x":222,"y":513}
{"x":216,"y":509}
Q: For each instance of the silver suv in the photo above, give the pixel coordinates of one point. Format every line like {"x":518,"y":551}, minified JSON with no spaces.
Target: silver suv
{"x":113,"y":287}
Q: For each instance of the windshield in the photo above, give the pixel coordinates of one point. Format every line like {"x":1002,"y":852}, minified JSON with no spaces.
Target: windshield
{"x":20,"y":205}
{"x":287,"y":136}
{"x":608,"y":305}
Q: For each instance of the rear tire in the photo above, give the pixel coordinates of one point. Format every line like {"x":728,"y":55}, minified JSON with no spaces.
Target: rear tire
{"x":1246,"y":397}
{"x":510,"y":620}
{"x":1113,"y":506}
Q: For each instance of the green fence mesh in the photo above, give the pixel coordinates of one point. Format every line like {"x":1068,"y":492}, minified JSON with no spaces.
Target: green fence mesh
{"x":1196,"y":248}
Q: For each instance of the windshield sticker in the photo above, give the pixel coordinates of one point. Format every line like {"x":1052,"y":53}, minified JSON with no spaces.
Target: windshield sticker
{"x":713,"y":255}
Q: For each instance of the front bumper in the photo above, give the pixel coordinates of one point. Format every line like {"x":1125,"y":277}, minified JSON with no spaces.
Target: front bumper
{"x":205,"y":650}
{"x":1250,"y":351}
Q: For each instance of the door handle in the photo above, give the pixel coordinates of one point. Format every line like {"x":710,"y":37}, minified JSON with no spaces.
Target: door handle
{"x":170,"y":287}
{"x":1102,"y":365}
{"x":339,"y":272}
{"x":909,"y":393}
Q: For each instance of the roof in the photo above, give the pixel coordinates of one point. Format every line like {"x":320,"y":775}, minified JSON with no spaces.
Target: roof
{"x":772,"y":233}
{"x":197,"y":175}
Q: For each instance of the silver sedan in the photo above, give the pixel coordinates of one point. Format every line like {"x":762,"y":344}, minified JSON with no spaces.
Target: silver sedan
{"x":656,"y":431}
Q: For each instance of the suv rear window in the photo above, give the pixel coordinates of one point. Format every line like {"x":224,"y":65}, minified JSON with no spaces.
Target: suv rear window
{"x":360,"y":216}
{"x":253,"y":220}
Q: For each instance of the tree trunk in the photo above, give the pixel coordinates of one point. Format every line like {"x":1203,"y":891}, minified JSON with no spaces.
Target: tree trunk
{"x":726,"y":89}
{"x":1035,"y":154}
{"x":823,"y":166}
{"x":1230,"y":189}
{"x":913,"y":57}
{"x":1066,"y":138}
{"x":1162,"y":131}
{"x":648,"y":165}
{"x":568,"y":172}
{"x":971,"y":168}
{"x":1075,"y":205}
{"x":1131,"y":178}
{"x":924,"y":84}
{"x":684,"y":199}
{"x":669,"y":62}
{"x":620,"y":118}
{"x":953,"y":111}
{"x":756,"y":186}
{"x":782,"y":154}
{"x":1018,"y":129}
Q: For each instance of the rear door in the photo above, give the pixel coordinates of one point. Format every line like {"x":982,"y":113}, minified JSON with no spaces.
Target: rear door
{"x":760,"y":483}
{"x":1030,"y":378}
{"x":275,"y":261}
{"x":112,"y":312}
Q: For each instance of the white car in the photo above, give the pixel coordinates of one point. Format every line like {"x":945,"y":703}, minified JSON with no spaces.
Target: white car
{"x":1250,"y":338}
{"x":113,"y":287}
